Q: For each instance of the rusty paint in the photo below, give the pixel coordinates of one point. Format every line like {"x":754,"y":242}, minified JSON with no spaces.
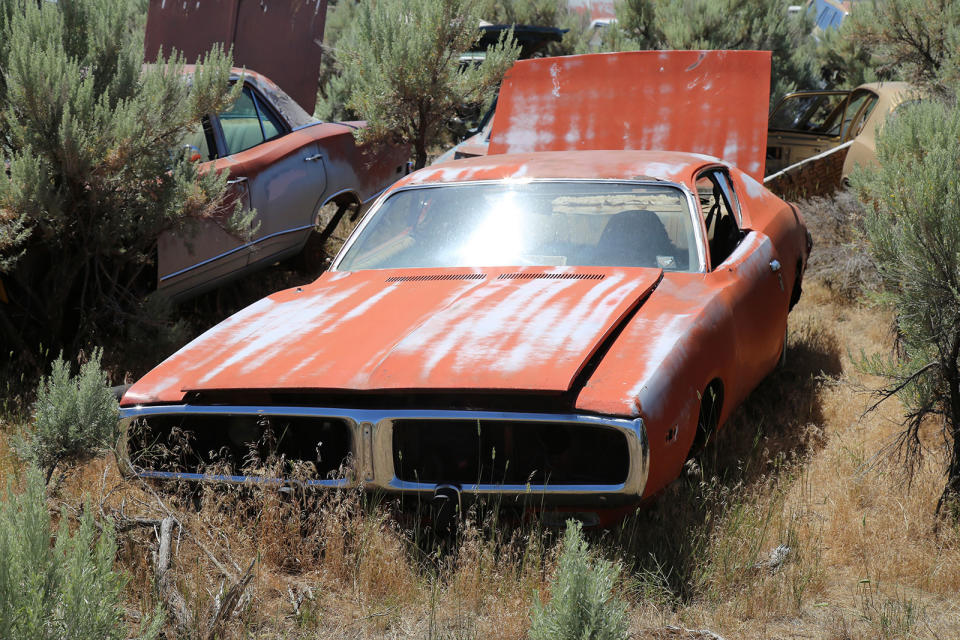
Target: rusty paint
{"x":710,"y":102}
{"x":637,"y":343}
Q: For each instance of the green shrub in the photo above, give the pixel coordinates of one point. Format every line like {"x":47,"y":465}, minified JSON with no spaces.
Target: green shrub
{"x":401,"y":60}
{"x":582,"y":606}
{"x":67,"y":590}
{"x":73,"y":416}
{"x":913,"y":225}
{"x":90,"y":140}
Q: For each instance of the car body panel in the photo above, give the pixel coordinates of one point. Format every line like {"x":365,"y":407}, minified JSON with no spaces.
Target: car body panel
{"x":442,"y":330}
{"x":285,"y":43}
{"x":710,"y":102}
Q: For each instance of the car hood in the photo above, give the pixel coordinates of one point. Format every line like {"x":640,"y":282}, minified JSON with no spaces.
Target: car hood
{"x":710,"y":102}
{"x":486,"y":329}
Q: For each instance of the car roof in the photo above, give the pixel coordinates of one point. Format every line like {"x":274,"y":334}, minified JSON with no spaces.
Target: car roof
{"x":672,"y":166}
{"x":882,"y":88}
{"x":292,"y":112}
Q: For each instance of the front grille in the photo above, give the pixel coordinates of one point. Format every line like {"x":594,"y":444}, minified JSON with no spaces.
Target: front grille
{"x":240,"y":443}
{"x":468,"y":452}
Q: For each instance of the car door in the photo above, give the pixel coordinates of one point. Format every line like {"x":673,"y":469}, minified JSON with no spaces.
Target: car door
{"x":196,"y":257}
{"x":746,"y":264}
{"x":284,"y":172}
{"x":803,"y":125}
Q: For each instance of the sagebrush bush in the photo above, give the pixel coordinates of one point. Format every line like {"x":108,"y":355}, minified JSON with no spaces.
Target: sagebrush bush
{"x":73,"y":416}
{"x":65,"y":590}
{"x":841,"y":259}
{"x":91,"y":141}
{"x":582,"y":605}
{"x":913,"y":227}
{"x":401,"y":60}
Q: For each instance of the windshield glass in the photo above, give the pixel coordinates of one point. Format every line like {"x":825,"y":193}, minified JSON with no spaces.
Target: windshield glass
{"x":546,"y":223}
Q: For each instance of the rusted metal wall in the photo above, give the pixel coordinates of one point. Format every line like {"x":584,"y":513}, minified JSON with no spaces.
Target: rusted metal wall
{"x":279,"y":38}
{"x":820,"y":175}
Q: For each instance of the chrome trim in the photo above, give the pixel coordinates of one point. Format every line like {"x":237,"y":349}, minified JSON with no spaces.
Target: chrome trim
{"x":372,"y":447}
{"x":250,"y":480}
{"x":693,"y":203}
{"x":433,"y":185}
{"x":234,"y":250}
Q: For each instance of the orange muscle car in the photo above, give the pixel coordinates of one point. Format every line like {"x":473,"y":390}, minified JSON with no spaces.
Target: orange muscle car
{"x":562,"y":322}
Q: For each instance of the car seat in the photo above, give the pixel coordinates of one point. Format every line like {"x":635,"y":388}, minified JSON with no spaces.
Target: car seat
{"x":634,"y":238}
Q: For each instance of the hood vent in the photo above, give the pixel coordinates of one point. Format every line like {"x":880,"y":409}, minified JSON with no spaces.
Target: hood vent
{"x":550,"y":276}
{"x":435,"y":277}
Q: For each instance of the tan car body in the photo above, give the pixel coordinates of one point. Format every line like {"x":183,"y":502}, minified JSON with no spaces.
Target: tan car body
{"x":787,"y":147}
{"x":287,"y":180}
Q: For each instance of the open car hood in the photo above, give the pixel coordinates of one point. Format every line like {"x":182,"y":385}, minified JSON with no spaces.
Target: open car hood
{"x":710,"y":102}
{"x":487,"y":329}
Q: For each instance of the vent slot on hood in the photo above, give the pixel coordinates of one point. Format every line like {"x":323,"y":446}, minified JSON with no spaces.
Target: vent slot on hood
{"x":438,"y":277}
{"x":551,"y":276}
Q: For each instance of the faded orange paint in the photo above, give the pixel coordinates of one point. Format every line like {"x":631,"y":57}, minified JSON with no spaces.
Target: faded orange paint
{"x":636,"y":343}
{"x":711,"y":102}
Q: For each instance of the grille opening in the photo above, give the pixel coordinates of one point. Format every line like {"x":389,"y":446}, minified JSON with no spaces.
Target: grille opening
{"x":469,"y":452}
{"x":305,"y":447}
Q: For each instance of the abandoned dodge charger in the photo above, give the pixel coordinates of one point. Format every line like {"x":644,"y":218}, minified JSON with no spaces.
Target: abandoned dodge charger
{"x":561,"y":322}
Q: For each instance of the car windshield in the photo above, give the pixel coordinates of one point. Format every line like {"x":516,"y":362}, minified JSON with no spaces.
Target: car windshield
{"x":815,"y":113}
{"x":545,"y":223}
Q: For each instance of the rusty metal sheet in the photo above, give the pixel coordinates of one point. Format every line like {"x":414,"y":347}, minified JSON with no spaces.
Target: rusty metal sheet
{"x":378,"y":330}
{"x":279,"y":38}
{"x":709,"y":102}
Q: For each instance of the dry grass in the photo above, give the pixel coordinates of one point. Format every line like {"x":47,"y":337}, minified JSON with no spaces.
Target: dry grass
{"x":797,"y":466}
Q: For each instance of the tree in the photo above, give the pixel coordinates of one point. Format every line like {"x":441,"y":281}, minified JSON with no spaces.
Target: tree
{"x":89,"y":139}
{"x":918,"y":40}
{"x":334,"y":90}
{"x":914,"y":231}
{"x":401,"y":62}
{"x":728,"y":24}
{"x":846,"y":61}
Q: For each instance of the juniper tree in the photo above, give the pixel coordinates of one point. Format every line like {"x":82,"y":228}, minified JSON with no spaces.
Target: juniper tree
{"x":89,"y":139}
{"x":401,"y":61}
{"x":918,"y":40}
{"x":728,"y":24}
{"x":913,"y":226}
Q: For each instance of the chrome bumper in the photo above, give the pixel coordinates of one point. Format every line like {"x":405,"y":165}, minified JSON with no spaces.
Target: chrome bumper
{"x":372,"y":451}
